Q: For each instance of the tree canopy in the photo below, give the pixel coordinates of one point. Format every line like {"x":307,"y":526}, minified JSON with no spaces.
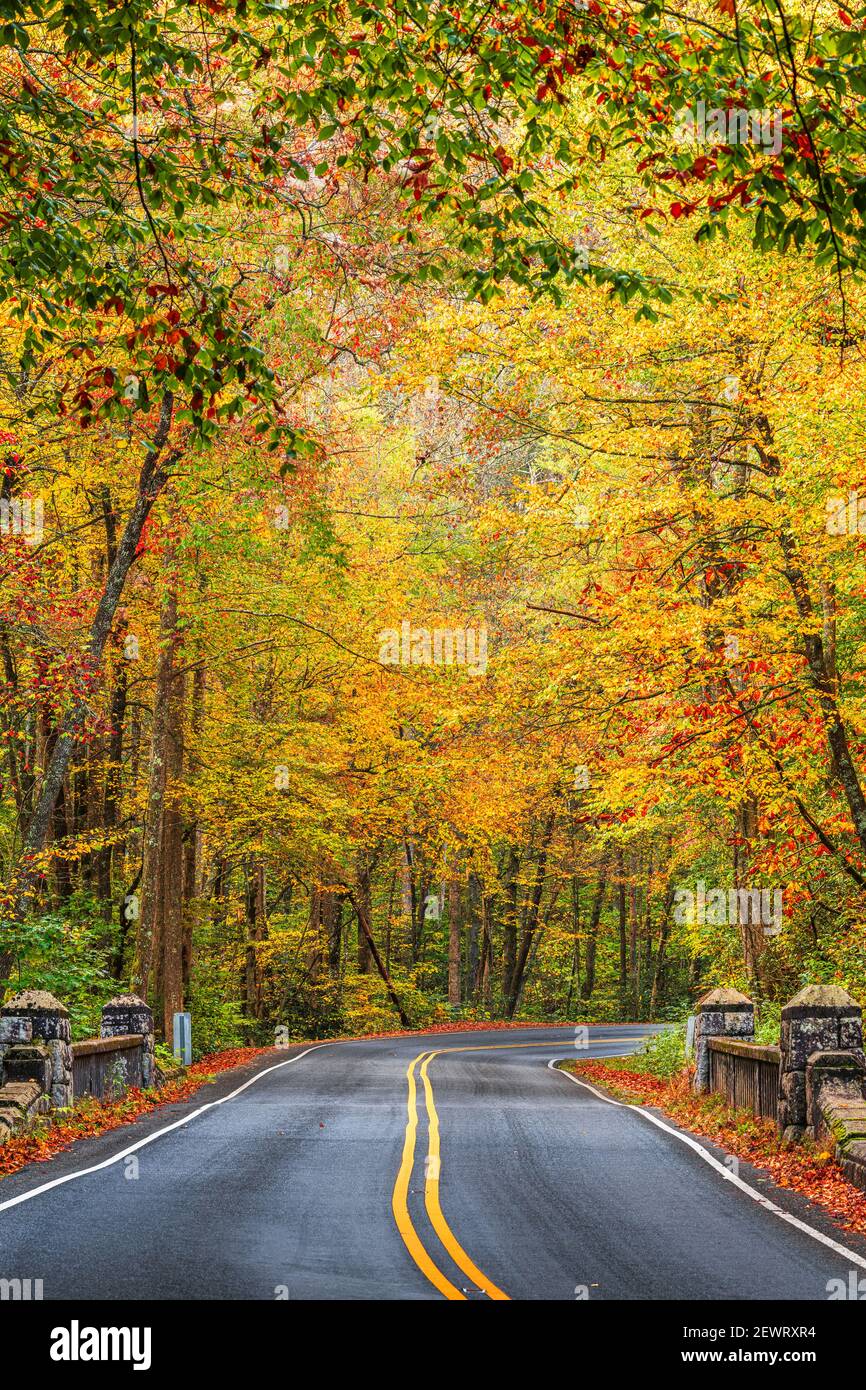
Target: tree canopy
{"x":431,"y":545}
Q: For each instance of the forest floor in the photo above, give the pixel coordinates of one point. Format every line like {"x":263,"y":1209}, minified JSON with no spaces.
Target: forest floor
{"x":807,"y":1168}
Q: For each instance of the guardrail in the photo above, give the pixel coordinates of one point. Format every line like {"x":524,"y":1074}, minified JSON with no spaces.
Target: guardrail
{"x":746,"y":1074}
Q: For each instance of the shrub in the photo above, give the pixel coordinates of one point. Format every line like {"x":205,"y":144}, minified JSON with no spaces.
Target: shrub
{"x":60,"y":952}
{"x":217,"y":1022}
{"x":663,"y":1054}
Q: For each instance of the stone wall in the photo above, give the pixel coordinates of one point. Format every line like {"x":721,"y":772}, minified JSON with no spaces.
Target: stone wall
{"x":820,"y":1019}
{"x":822,"y":1067}
{"x":836,"y":1108}
{"x":36,"y":1057}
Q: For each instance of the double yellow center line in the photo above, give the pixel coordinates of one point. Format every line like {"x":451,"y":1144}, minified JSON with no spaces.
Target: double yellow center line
{"x":432,"y":1169}
{"x":432,"y":1166}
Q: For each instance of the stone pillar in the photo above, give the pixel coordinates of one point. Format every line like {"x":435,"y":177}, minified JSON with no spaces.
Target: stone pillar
{"x":36,"y":1018}
{"x":835,"y":1078}
{"x":723,"y":1013}
{"x":821,"y":1018}
{"x":126,"y":1013}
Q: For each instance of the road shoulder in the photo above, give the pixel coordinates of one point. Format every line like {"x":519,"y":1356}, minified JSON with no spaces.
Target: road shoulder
{"x":789,"y":1199}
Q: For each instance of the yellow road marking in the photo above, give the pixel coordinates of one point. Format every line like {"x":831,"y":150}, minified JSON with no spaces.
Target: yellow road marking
{"x":503,"y":1047}
{"x":431,"y":1197}
{"x":400,"y":1206}
{"x":399,"y":1198}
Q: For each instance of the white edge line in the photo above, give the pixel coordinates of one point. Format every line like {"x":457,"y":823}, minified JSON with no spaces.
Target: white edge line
{"x":149,"y":1139}
{"x":719,"y":1167}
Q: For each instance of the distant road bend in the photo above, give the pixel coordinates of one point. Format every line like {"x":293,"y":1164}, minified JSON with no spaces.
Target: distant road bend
{"x":460,"y":1166}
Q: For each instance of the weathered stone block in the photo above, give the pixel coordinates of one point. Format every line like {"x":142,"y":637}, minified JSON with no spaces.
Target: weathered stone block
{"x":837,"y":1060}
{"x":28,"y":1062}
{"x":813,"y":1025}
{"x":852,"y":1161}
{"x":19,"y":1096}
{"x":846,"y":1129}
{"x":810,"y":1035}
{"x":61,"y":1061}
{"x":710,"y":1022}
{"x":834,"y":1084}
{"x":740,"y":1025}
{"x":793,"y":1134}
{"x":16,"y":1030}
{"x":20,"y":1103}
{"x":49,"y":1018}
{"x":125,"y":1013}
{"x":148,"y":1066}
{"x":793,"y":1088}
{"x":128,"y":1013}
{"x":822,"y":1001}
{"x":61,"y":1095}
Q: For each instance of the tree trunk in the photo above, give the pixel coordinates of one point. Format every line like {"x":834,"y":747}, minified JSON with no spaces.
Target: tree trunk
{"x":482,"y":984}
{"x":751,"y":932}
{"x":257,"y":931}
{"x":364,"y":926}
{"x":633,"y":957}
{"x":531,"y":915}
{"x":159,"y":955}
{"x":113,"y":782}
{"x":509,"y":916}
{"x":454,"y":924}
{"x":592,"y":933}
{"x":661,"y":953}
{"x":192,"y":863}
{"x":623,"y":952}
{"x":574,"y":973}
{"x":363,"y":894}
{"x":172,"y":866}
{"x":152,"y":479}
{"x":821,"y":667}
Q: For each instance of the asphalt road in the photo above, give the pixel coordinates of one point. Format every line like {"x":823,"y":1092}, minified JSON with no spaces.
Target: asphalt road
{"x":364,"y":1170}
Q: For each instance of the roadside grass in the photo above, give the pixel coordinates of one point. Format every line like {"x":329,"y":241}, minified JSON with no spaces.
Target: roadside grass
{"x":807,"y":1168}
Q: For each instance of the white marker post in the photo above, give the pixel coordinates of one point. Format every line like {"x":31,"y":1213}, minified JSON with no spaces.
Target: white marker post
{"x":181,"y":1032}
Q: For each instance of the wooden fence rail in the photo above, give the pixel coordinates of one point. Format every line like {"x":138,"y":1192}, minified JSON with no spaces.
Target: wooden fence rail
{"x":106,"y":1066}
{"x":746,"y":1074}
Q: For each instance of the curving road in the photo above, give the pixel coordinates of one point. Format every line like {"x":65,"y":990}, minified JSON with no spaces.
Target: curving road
{"x":458,"y":1166}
